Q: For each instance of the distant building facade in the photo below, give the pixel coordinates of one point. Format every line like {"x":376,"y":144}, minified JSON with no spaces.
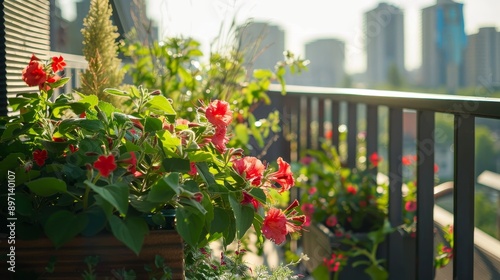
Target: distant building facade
{"x":384,"y":31}
{"x":327,"y":61}
{"x":263,"y":44}
{"x":443,"y":45}
{"x":482,"y":58}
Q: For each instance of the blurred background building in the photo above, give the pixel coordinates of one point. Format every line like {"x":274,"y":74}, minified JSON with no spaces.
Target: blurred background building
{"x":443,"y":45}
{"x":384,"y":31}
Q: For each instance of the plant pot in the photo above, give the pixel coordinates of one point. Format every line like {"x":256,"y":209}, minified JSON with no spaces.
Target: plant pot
{"x":32,"y":256}
{"x":318,"y":243}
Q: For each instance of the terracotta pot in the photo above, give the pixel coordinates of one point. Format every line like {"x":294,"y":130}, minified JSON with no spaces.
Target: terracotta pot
{"x":34,"y":255}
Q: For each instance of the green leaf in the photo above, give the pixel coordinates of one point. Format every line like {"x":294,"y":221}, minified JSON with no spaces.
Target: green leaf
{"x":114,"y":91}
{"x":115,"y":194}
{"x":59,"y":83}
{"x":69,"y":125}
{"x":9,"y":130}
{"x":130,"y":231}
{"x":243,"y":215}
{"x":321,"y":272}
{"x":241,"y":131}
{"x":200,"y":156}
{"x":167,"y":139}
{"x":205,"y":174}
{"x":165,"y":189}
{"x":63,"y":225}
{"x":189,"y":225}
{"x":161,"y":105}
{"x":47,"y":186}
{"x":97,"y":220}
{"x":262,"y":74}
{"x":220,"y":224}
{"x":258,"y":194}
{"x":176,"y":165}
{"x":377,"y":272}
{"x":152,"y":124}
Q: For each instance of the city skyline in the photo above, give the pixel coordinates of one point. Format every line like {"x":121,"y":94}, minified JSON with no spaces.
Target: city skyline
{"x":305,"y":23}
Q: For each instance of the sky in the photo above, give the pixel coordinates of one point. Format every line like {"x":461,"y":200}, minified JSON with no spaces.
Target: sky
{"x":202,"y":20}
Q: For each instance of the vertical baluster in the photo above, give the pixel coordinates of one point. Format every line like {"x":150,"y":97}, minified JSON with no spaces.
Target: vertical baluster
{"x":335,"y":113}
{"x":371,"y":134}
{"x":425,"y":195}
{"x":321,"y":122}
{"x":463,"y":198}
{"x":352,"y":130}
{"x":395,"y":262}
{"x":309,"y":118}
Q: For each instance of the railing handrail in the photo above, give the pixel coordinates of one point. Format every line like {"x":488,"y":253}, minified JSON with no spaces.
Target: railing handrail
{"x":487,"y":107}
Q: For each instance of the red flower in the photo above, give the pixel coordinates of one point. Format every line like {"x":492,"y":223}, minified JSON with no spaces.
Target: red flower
{"x":132,"y":163}
{"x":307,"y":208}
{"x":331,"y":221}
{"x":58,"y":139}
{"x":277,"y":224}
{"x":105,"y":165}
{"x":312,"y":190}
{"x":39,"y":156}
{"x":218,"y":113}
{"x":406,"y":160}
{"x":334,"y":262}
{"x":192,"y":169}
{"x":362,"y":204}
{"x":274,"y":226}
{"x":283,"y":176}
{"x":248,"y":199}
{"x":375,"y":159}
{"x":351,"y":189}
{"x":436,"y":168}
{"x":329,"y":134}
{"x":220,"y":139}
{"x":198,"y":196}
{"x":411,"y":206}
{"x":251,"y":168}
{"x":34,"y":74}
{"x":58,"y":63}
{"x":72,"y":148}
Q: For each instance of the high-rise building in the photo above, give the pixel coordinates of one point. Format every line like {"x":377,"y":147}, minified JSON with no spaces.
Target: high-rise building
{"x":263,"y":44}
{"x":443,"y":45}
{"x":326,"y":67}
{"x":384,"y":31}
{"x":482,"y":59}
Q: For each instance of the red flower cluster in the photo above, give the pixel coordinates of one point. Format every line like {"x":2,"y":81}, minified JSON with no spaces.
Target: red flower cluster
{"x":375,"y":159}
{"x":251,"y":168}
{"x":42,"y":75}
{"x":39,"y":156}
{"x":220,"y":116}
{"x":335,"y":262}
{"x":277,"y":223}
{"x":283,"y":176}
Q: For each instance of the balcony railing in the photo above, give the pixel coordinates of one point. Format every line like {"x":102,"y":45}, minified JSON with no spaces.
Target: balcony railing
{"x":308,"y":111}
{"x":304,"y":115}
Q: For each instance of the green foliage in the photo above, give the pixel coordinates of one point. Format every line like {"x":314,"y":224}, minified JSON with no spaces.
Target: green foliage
{"x":175,"y":68}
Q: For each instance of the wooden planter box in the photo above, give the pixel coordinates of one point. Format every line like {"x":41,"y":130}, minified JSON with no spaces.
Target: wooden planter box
{"x":34,"y":255}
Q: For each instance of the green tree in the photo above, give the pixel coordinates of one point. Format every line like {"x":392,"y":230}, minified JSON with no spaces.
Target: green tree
{"x":486,"y":152}
{"x":394,"y":77}
{"x":100,"y":49}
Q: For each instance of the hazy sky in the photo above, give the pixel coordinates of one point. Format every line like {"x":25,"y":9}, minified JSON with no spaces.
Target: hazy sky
{"x":303,"y":22}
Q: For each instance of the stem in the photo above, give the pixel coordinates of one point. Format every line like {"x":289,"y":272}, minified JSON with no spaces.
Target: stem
{"x":86,"y":197}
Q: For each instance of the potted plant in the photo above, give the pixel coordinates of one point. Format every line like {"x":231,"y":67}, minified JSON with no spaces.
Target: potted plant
{"x":76,"y":166}
{"x":346,"y":212}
